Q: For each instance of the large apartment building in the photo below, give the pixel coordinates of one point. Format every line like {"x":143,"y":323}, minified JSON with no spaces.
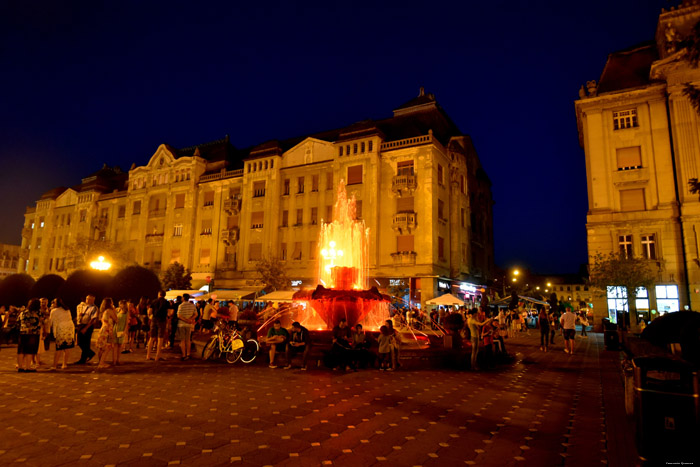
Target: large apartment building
{"x":641,"y":138}
{"x":218,"y":210}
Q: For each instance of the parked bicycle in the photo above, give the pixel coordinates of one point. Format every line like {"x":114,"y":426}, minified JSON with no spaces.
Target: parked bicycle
{"x":227,"y":342}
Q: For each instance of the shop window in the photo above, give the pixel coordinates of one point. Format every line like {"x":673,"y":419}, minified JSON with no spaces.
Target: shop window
{"x":617,"y":302}
{"x":667,"y":298}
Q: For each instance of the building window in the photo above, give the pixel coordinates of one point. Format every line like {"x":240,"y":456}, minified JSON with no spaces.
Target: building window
{"x":314,"y":183}
{"x":285,"y":187}
{"x":174,"y":256}
{"x":256,"y":220}
{"x":300,"y":216}
{"x":461,"y":184}
{"x":441,"y":209}
{"x":362,"y":147}
{"x":667,"y":298}
{"x":204,"y":255}
{"x":329,"y":215}
{"x":179,"y":201}
{"x":625,"y":244}
{"x":312,"y":250}
{"x":355,"y":175}
{"x":625,"y":119}
{"x":259,"y":189}
{"x":255,"y":252}
{"x":358,"y":209}
{"x":463,"y":217}
{"x":329,"y":180}
{"x":135,"y":211}
{"x":404,"y":168}
{"x":285,"y":218}
{"x":340,"y":151}
{"x":208,"y":198}
{"x":41,"y":222}
{"x":440,"y":175}
{"x":283,"y":252}
{"x":296,"y":255}
{"x":314,"y":216}
{"x":121,"y":211}
{"x":441,"y":249}
{"x":300,"y":185}
{"x":68,"y":216}
{"x":83,"y":216}
{"x":177,"y":230}
{"x":369,"y":146}
{"x":206,"y":227}
{"x":404,"y":244}
{"x":404,"y":204}
{"x":354,"y":148}
{"x":629,"y":158}
{"x":649,"y":246}
{"x":632,"y":200}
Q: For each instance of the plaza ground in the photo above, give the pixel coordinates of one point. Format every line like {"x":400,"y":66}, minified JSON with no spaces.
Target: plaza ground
{"x":544,"y":409}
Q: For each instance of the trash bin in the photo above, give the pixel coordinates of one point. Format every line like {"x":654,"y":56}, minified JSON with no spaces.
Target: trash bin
{"x":667,"y":410}
{"x":610,"y":336}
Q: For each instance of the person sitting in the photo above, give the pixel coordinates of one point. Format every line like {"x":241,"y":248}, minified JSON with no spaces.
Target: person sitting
{"x":299,"y":342}
{"x":277,"y":337}
{"x":361,"y":342}
{"x":340,"y":352}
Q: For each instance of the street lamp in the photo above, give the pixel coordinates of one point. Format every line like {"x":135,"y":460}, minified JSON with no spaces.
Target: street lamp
{"x":100,"y":264}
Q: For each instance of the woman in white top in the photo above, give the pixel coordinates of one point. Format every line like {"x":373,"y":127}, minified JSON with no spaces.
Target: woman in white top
{"x":63,"y":331}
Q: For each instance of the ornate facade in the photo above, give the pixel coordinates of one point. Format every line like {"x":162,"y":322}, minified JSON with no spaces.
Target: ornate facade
{"x":216,"y":209}
{"x":641,"y":138}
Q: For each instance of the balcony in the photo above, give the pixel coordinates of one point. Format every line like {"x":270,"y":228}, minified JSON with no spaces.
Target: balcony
{"x":404,"y":258}
{"x":154,"y":239}
{"x":404,"y":184}
{"x":232,"y":205}
{"x":230,"y":236}
{"x":155,"y":213}
{"x":24,"y":253}
{"x":404,"y":222}
{"x":27,"y":232}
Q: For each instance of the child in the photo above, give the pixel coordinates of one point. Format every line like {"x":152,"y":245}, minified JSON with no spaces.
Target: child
{"x":385,"y":345}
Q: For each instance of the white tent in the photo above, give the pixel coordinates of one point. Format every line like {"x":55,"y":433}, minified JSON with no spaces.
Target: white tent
{"x":277,"y":296}
{"x":445,"y":300}
{"x":172,"y":294}
{"x":235,"y":295}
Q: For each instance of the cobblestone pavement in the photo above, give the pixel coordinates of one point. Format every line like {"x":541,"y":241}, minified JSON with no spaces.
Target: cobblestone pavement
{"x":545,"y":409}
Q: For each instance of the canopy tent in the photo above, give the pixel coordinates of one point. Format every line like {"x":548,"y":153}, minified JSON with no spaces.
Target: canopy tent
{"x":233,"y":295}
{"x":173,"y":294}
{"x":506,"y":300}
{"x":277,"y":296}
{"x":445,"y":300}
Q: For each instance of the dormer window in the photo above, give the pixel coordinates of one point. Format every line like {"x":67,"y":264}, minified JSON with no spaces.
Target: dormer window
{"x":625,"y":119}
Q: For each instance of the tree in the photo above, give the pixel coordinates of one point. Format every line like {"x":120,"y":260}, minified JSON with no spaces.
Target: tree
{"x":273,"y":274}
{"x":134,"y":282}
{"x":176,"y":277}
{"x":514,"y":300}
{"x":47,"y":286}
{"x":617,"y":270}
{"x":553,"y":303}
{"x":83,"y":250}
{"x":82,"y":283}
{"x":15,"y":289}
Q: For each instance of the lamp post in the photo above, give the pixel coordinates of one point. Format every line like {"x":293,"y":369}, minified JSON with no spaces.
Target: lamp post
{"x":100,"y":264}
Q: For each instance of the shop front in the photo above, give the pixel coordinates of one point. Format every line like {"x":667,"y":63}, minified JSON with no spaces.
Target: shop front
{"x":649,"y":303}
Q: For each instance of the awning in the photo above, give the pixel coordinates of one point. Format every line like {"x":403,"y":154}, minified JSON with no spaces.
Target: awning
{"x":173,"y":294}
{"x":240,"y":294}
{"x":277,"y":296}
{"x":445,"y":300}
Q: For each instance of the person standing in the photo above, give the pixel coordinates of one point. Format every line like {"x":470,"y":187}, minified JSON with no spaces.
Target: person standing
{"x":568,"y":324}
{"x":584,"y":324}
{"x":207,"y":323}
{"x":475,"y":332}
{"x":121,"y":331}
{"x":63,"y":331}
{"x":45,"y":330}
{"x":107,"y":336}
{"x":30,"y":325}
{"x":543,"y":321}
{"x":160,"y":310}
{"x":186,"y":317}
{"x":86,"y":322}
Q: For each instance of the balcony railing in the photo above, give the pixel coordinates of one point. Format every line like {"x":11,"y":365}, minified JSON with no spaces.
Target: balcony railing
{"x":405,"y":222}
{"x":154,"y":239}
{"x":404,"y":258}
{"x":233,"y":205}
{"x":156,"y":213}
{"x":230,"y":236}
{"x":404,"y":184}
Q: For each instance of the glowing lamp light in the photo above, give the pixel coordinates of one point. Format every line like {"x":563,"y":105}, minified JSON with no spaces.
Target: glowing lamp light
{"x":100,"y":264}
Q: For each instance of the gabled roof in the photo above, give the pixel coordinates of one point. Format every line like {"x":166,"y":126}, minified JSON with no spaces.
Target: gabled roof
{"x":629,"y":68}
{"x":54,"y":193}
{"x":212,"y":151}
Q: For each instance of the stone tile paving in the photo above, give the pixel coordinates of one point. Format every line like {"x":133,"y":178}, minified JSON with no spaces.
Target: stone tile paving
{"x":544,"y":409}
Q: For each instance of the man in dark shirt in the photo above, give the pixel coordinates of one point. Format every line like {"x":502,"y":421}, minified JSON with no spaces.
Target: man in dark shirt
{"x":277,"y":337}
{"x":299,"y":342}
{"x":341,"y":350}
{"x":159,"y":311}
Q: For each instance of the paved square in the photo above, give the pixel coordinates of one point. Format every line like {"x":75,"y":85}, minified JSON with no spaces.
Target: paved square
{"x":544,"y":409}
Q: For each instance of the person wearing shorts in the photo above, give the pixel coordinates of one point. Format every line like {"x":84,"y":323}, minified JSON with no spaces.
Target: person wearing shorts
{"x":160,"y":310}
{"x":568,"y":324}
{"x":277,"y":337}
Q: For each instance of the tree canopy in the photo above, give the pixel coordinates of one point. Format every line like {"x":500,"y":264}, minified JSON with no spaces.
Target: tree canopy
{"x":15,"y":289}
{"x":273,"y":273}
{"x":134,"y":282}
{"x":47,"y":286}
{"x":176,"y":277}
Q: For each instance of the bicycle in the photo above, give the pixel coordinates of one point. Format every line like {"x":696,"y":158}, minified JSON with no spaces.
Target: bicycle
{"x":228,"y":342}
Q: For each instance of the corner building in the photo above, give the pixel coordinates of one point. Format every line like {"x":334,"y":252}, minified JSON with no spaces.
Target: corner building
{"x":641,"y":139}
{"x":418,"y":181}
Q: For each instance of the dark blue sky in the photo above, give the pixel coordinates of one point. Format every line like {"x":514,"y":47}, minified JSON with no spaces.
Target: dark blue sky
{"x":88,"y":84}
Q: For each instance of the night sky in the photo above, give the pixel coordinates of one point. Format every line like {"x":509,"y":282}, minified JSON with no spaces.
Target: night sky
{"x":88,"y":84}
